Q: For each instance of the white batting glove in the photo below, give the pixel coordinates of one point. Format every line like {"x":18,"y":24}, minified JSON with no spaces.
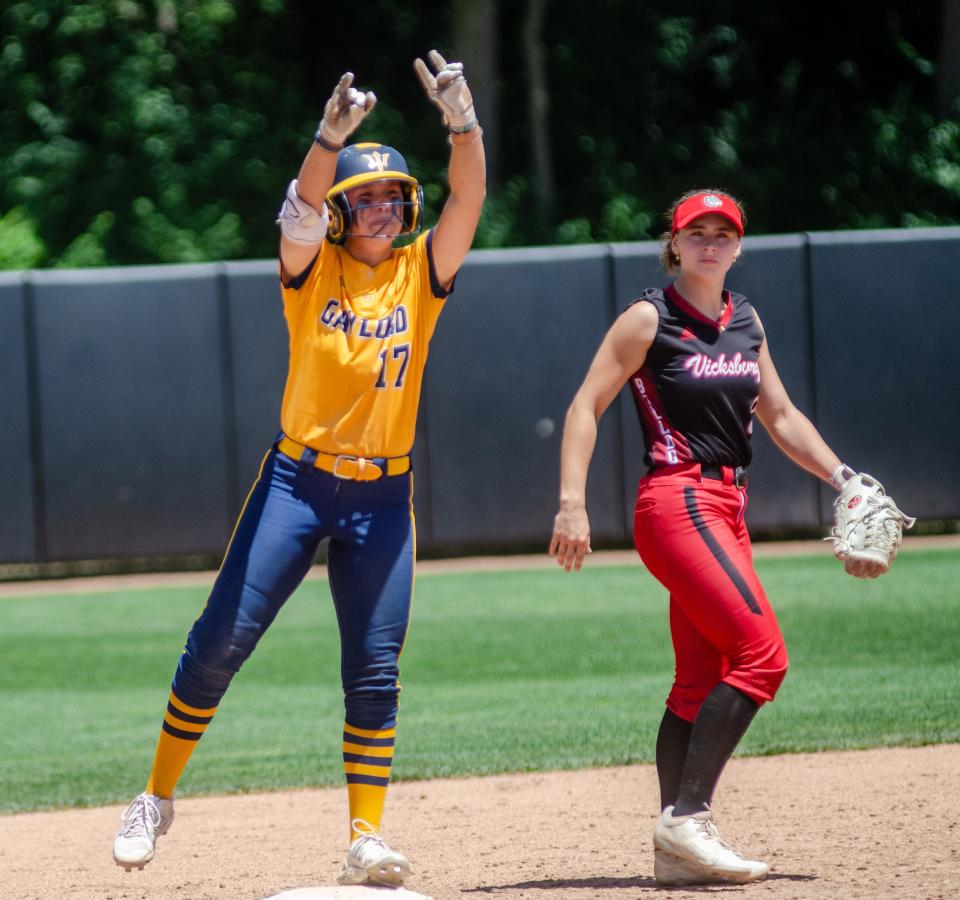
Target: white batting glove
{"x":345,"y":110}
{"x":448,"y":91}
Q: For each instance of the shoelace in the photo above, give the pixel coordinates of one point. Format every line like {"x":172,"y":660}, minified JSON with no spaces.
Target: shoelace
{"x":136,"y":817}
{"x":712,"y":833}
{"x":366,"y":830}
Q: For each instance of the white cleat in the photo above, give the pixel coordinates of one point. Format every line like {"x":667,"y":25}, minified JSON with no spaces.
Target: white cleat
{"x":371,"y":861}
{"x":144,"y":821}
{"x":671,"y":870}
{"x":689,"y":850}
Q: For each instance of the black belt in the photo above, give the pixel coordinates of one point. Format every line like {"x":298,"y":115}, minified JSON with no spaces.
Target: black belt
{"x":715,"y":472}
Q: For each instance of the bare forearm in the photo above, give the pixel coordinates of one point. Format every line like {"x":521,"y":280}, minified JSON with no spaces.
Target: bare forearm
{"x":467,"y":171}
{"x":457,"y":226}
{"x":576,"y":451}
{"x":316,"y":175}
{"x":796,"y":436}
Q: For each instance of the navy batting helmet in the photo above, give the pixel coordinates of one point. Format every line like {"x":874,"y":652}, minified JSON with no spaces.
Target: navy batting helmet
{"x":361,"y":164}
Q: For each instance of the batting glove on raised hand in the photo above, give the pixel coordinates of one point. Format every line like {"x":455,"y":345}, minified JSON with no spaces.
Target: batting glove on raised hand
{"x":345,"y":110}
{"x":867,"y":527}
{"x":448,"y":91}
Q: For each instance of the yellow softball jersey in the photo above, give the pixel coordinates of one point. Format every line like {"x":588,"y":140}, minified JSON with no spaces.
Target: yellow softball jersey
{"x":358,"y":346}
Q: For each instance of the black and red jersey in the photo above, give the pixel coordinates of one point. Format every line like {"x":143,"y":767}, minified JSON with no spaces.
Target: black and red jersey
{"x":698,"y":388}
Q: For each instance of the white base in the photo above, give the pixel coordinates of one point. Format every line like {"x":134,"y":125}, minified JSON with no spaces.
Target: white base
{"x":349,"y":892}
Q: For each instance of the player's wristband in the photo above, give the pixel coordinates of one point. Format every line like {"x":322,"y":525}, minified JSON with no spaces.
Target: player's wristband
{"x":478,"y":133}
{"x":318,"y":138}
{"x":462,"y":129}
{"x":841,"y":475}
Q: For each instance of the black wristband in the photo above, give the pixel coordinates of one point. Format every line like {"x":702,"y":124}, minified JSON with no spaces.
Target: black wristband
{"x":318,"y":138}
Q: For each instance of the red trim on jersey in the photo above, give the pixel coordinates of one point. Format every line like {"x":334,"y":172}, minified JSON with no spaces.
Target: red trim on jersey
{"x":662,"y":438}
{"x":672,"y":294}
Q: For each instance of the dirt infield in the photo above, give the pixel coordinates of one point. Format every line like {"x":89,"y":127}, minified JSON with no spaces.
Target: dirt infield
{"x":871,"y":824}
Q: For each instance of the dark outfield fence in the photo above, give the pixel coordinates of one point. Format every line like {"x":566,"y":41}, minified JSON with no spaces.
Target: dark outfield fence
{"x":137,"y":403}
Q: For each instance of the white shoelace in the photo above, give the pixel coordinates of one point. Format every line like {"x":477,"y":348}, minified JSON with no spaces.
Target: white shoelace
{"x":712,"y":833}
{"x":365,"y":830}
{"x":141,"y":812}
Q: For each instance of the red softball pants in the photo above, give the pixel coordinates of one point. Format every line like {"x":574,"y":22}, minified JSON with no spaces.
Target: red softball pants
{"x":691,"y":536}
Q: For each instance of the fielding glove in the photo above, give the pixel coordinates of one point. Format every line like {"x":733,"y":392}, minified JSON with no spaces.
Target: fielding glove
{"x":344,"y":112}
{"x":867,"y":527}
{"x":448,"y":90}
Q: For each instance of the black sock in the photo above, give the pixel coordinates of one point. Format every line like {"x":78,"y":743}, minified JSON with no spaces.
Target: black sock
{"x":722,"y":721}
{"x":672,"y":742}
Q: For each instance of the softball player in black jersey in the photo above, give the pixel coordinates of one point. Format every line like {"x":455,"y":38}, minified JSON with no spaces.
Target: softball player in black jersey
{"x":698,"y":365}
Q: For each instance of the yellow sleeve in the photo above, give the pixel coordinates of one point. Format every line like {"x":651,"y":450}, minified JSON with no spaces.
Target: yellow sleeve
{"x":300,"y":285}
{"x":436,"y":289}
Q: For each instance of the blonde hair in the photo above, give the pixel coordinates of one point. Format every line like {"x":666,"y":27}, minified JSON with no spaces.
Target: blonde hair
{"x":669,"y":260}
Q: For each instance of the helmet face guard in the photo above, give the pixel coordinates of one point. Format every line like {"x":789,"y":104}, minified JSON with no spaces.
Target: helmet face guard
{"x":343,"y":216}
{"x":361,"y":164}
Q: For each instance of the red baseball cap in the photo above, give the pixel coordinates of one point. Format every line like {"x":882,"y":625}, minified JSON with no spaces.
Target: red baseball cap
{"x":704,"y":204}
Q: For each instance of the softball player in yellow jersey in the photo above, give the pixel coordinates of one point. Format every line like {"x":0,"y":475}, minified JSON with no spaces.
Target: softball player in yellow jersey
{"x":360,"y":315}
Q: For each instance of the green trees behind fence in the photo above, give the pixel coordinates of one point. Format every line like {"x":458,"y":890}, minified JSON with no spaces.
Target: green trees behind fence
{"x":165,"y":131}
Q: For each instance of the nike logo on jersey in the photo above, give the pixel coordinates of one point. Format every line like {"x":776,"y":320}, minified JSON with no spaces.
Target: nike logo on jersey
{"x":687,"y":335}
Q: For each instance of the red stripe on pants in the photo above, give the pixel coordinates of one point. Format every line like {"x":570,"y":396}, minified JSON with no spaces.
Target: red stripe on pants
{"x":691,"y":536}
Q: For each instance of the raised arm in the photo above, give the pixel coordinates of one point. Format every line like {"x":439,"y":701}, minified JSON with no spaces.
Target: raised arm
{"x":623,"y":352}
{"x":467,"y":173}
{"x":303,"y":216}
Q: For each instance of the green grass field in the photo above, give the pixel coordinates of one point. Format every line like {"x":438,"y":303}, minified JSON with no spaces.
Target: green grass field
{"x":507,"y":671}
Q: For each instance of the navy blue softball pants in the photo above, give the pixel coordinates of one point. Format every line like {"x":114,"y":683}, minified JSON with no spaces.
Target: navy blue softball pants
{"x":290,"y":509}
